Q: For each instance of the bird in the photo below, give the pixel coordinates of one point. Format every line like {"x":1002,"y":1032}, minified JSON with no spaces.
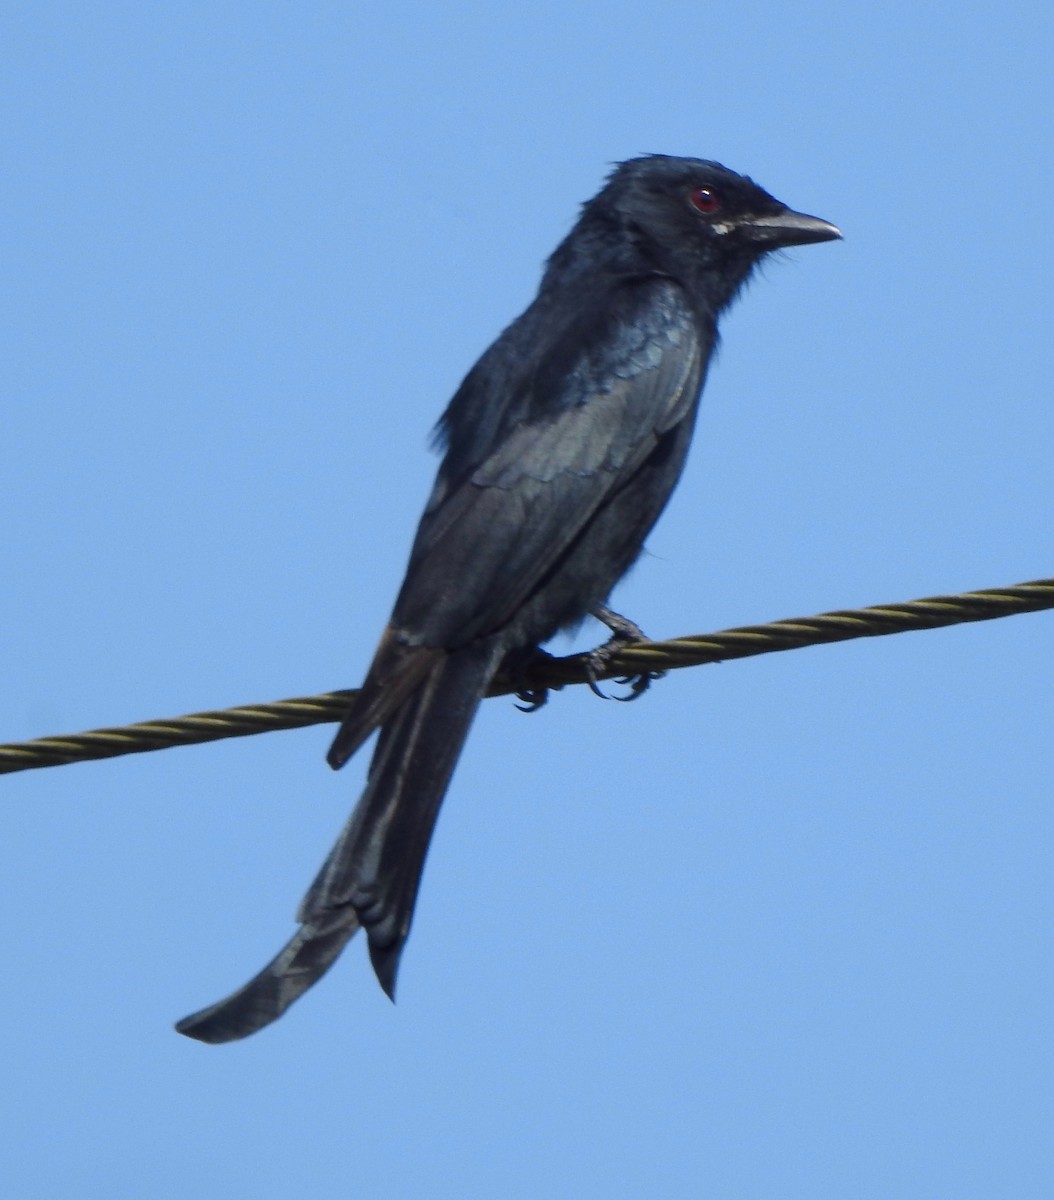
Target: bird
{"x":559,"y":452}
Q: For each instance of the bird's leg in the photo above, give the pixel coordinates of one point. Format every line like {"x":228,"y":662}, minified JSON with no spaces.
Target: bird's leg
{"x":519,"y":667}
{"x":624,"y":632}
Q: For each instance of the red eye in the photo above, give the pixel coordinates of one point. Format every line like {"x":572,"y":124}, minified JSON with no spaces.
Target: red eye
{"x":706,"y":200}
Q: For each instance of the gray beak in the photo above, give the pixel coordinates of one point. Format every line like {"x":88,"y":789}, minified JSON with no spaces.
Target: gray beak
{"x":788,"y":228}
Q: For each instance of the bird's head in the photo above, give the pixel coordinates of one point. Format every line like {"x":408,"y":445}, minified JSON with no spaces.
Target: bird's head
{"x":691,"y":214}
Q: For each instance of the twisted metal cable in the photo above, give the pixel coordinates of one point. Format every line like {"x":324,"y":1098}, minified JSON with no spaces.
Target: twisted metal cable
{"x":934,"y":612}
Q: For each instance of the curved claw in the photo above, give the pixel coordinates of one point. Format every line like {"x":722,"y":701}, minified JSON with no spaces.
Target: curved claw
{"x":594,"y":685}
{"x":637,"y":684}
{"x":533,"y":699}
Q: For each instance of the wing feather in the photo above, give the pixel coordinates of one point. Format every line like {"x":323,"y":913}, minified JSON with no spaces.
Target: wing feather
{"x":488,"y":542}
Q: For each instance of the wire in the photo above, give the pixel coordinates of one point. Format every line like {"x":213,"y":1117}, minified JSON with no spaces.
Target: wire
{"x":640,"y":659}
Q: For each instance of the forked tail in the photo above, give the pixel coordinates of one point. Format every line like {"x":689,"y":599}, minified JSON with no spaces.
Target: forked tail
{"x":371,"y":875}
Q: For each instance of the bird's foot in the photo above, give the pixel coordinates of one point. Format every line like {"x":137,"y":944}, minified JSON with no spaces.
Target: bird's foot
{"x":624,"y":632}
{"x":533,"y":695}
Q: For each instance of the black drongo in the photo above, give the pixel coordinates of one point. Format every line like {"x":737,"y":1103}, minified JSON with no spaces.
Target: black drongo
{"x":561,"y":448}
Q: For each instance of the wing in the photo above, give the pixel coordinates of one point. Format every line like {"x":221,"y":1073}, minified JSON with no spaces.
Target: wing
{"x":584,"y":421}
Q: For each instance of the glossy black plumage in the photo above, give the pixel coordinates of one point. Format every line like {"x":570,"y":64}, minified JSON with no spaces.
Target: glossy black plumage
{"x":561,"y":448}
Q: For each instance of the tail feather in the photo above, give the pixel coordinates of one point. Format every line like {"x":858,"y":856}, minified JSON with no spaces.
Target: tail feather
{"x":304,"y":959}
{"x":396,"y":671}
{"x":376,"y":865}
{"x":371,"y":876}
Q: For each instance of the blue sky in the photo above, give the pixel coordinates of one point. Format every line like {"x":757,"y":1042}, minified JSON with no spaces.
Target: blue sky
{"x":783,"y":928}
